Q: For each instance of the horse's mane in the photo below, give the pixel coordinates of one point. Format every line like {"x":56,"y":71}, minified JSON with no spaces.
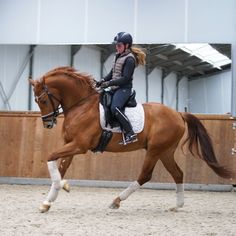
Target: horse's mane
{"x":80,"y":77}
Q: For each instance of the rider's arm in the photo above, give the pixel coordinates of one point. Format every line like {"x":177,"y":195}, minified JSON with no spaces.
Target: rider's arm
{"x":108,"y":76}
{"x":127,"y":74}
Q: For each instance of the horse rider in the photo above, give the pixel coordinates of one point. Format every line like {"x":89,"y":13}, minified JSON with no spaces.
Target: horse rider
{"x":120,"y":78}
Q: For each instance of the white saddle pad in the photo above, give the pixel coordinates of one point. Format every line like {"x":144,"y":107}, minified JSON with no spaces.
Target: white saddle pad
{"x":134,"y":114}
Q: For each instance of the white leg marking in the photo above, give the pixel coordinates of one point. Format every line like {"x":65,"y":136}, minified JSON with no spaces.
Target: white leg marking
{"x":56,"y":181}
{"x":179,"y":195}
{"x":128,"y":191}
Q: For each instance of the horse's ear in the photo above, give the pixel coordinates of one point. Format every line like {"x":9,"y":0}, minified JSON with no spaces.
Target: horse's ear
{"x":32,"y":82}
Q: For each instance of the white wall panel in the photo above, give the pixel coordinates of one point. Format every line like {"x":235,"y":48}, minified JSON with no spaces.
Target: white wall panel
{"x":47,"y":58}
{"x":87,"y":59}
{"x":170,"y":90}
{"x":226,"y":91}
{"x":106,"y":18}
{"x":154,"y":85}
{"x":62,"y":21}
{"x":108,"y":64}
{"x":183,"y":94}
{"x":211,"y":21}
{"x":12,"y":58}
{"x":211,"y":94}
{"x":96,"y":21}
{"x":197,"y":96}
{"x":160,"y":21}
{"x":139,"y":84}
{"x":214,"y":94}
{"x":18,"y":21}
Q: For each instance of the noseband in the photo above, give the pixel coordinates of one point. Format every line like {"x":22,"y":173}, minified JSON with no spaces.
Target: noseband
{"x":56,"y":110}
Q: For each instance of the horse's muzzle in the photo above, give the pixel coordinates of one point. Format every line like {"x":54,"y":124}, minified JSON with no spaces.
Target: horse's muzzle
{"x":49,"y":124}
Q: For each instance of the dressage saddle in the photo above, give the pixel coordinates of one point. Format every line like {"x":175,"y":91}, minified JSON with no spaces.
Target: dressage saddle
{"x":106,"y":98}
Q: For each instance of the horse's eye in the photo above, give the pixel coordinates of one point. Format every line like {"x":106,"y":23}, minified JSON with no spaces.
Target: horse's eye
{"x":44,"y":102}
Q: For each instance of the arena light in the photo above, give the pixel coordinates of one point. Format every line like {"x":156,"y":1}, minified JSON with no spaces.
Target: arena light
{"x":205,"y":52}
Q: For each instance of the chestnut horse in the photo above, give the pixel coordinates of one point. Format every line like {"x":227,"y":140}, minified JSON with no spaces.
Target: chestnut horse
{"x":76,"y":95}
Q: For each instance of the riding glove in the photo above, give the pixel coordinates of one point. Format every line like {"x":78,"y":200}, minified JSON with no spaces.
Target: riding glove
{"x":98,"y":83}
{"x":105,"y":84}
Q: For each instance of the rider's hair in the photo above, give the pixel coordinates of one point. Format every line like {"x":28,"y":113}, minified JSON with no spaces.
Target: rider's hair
{"x":139,"y":54}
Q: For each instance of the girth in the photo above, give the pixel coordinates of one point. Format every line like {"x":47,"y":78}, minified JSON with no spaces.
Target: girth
{"x":103,"y":141}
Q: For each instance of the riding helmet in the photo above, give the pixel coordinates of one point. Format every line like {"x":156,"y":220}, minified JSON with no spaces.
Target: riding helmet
{"x":123,"y":37}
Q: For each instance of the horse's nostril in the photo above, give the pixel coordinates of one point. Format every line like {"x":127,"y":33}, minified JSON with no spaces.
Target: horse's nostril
{"x":49,"y":126}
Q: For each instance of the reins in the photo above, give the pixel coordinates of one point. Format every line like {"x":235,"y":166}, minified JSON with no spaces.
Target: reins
{"x":78,"y":102}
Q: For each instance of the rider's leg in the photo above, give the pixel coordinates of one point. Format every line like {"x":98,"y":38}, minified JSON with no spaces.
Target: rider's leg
{"x":130,"y":136}
{"x":119,"y":99}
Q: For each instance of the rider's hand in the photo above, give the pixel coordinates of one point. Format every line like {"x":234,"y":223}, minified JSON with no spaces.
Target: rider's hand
{"x":98,"y":83}
{"x":105,"y":84}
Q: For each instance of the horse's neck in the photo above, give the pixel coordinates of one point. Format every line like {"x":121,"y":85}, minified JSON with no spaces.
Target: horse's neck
{"x":71,"y":94}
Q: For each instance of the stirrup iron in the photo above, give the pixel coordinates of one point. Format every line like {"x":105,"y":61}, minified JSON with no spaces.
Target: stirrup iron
{"x":132,"y":139}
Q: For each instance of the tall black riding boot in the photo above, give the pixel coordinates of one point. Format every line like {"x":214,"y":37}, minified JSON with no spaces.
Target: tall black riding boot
{"x":130,"y":136}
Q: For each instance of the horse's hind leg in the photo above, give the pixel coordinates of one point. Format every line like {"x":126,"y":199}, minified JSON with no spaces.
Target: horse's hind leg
{"x":177,"y":174}
{"x":145,"y":175}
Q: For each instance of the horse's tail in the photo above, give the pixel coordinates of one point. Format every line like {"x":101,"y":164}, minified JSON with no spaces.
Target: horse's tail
{"x":197,"y":134}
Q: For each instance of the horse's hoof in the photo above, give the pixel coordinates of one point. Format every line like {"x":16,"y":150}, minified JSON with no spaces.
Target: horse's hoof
{"x":44,"y":207}
{"x":177,"y":208}
{"x":65,"y":185}
{"x":174,"y":209}
{"x":115,"y":204}
{"x":180,"y":199}
{"x":180,"y":204}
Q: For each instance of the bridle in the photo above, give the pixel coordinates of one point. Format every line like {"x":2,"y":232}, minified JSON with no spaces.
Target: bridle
{"x":51,"y":117}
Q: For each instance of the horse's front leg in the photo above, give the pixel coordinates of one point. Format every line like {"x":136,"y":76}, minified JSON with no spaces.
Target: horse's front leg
{"x":63,"y":166}
{"x":67,"y":150}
